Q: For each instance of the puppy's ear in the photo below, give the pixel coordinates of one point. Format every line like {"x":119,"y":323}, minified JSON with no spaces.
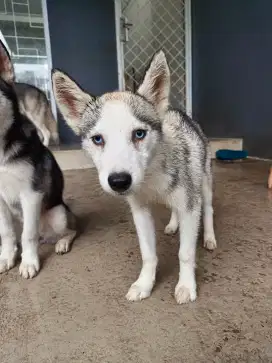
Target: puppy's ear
{"x":71,"y":99}
{"x":156,"y":84}
{"x":6,"y":66}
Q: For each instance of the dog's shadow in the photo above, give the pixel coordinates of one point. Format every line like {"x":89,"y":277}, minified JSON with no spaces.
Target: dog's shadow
{"x":86,"y":223}
{"x":168,"y":248}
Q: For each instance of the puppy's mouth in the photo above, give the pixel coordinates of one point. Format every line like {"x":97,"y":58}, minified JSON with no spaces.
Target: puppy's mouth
{"x":124,"y":193}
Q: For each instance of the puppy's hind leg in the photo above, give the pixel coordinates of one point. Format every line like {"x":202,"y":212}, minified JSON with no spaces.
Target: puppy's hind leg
{"x":173,"y":224}
{"x":63,"y":223}
{"x":209,"y":237}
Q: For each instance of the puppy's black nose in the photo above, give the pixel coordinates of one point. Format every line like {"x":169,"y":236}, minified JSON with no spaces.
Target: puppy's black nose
{"x":119,"y":182}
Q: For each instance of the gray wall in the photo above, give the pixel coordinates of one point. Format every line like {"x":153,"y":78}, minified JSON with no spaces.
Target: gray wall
{"x":83,"y":44}
{"x":232,"y":70}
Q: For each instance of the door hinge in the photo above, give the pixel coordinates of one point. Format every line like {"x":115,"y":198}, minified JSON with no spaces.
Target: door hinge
{"x":125,"y":27}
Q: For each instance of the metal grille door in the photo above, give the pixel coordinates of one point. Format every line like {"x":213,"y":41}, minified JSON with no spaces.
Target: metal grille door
{"x":146,"y":27}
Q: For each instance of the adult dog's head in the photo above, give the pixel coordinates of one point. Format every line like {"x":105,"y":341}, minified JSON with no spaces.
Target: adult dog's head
{"x":8,"y":98}
{"x":119,"y":130}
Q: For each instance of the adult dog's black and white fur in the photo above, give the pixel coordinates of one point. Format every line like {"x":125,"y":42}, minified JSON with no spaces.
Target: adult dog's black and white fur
{"x":34,"y":104}
{"x":31,"y":184}
{"x":146,"y":151}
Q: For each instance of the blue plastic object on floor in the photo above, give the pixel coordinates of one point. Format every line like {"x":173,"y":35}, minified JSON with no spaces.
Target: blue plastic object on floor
{"x":225,"y":154}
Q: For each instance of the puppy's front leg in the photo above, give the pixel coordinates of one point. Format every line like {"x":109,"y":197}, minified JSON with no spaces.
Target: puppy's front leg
{"x":144,"y":224}
{"x":31,"y":206}
{"x":8,"y":236}
{"x":189,"y":225}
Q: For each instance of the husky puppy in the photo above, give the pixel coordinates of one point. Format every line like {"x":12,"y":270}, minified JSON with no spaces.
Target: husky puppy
{"x":145,"y":151}
{"x":31,"y":184}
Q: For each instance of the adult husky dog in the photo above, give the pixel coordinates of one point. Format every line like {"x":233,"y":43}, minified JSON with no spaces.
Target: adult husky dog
{"x":144,"y":151}
{"x":34,"y":104}
{"x":31,"y":184}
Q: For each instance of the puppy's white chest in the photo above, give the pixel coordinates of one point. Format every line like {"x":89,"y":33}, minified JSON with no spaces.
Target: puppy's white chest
{"x":12,"y":182}
{"x":155,"y":188}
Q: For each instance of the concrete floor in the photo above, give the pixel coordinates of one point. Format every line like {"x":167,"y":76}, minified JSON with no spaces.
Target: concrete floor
{"x":75,"y":309}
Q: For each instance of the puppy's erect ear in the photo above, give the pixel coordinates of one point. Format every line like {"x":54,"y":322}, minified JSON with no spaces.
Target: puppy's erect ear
{"x":156,"y":84}
{"x":6,"y":66}
{"x":71,"y":99}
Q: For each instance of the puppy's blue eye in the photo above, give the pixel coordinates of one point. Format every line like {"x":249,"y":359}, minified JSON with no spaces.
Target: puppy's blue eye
{"x":139,"y":134}
{"x":98,"y":140}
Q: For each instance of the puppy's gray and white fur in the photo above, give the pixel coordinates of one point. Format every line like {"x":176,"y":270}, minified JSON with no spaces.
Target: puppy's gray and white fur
{"x":146,"y":151}
{"x":31,"y":184}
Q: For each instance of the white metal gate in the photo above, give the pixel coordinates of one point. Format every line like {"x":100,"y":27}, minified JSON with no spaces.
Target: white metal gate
{"x":145,"y":26}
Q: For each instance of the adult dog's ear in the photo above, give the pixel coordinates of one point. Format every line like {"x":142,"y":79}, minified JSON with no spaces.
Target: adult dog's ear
{"x":6,"y":66}
{"x":156,"y":84}
{"x":71,"y":99}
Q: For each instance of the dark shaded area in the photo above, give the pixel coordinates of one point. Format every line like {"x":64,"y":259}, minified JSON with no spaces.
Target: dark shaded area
{"x":83,"y":44}
{"x":232,"y":77}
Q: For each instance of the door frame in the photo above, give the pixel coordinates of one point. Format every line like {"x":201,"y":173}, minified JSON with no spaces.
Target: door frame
{"x":188,"y":51}
{"x":188,"y":56}
{"x":49,"y":57}
{"x":119,"y":45}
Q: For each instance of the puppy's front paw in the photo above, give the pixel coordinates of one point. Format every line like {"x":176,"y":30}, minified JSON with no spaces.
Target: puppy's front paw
{"x":29,"y":267}
{"x":137,"y":293}
{"x":184,"y":294}
{"x":7,"y":261}
{"x":210,"y":244}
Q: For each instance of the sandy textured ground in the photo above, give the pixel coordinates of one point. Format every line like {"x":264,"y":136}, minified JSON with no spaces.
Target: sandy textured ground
{"x":75,"y":309}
